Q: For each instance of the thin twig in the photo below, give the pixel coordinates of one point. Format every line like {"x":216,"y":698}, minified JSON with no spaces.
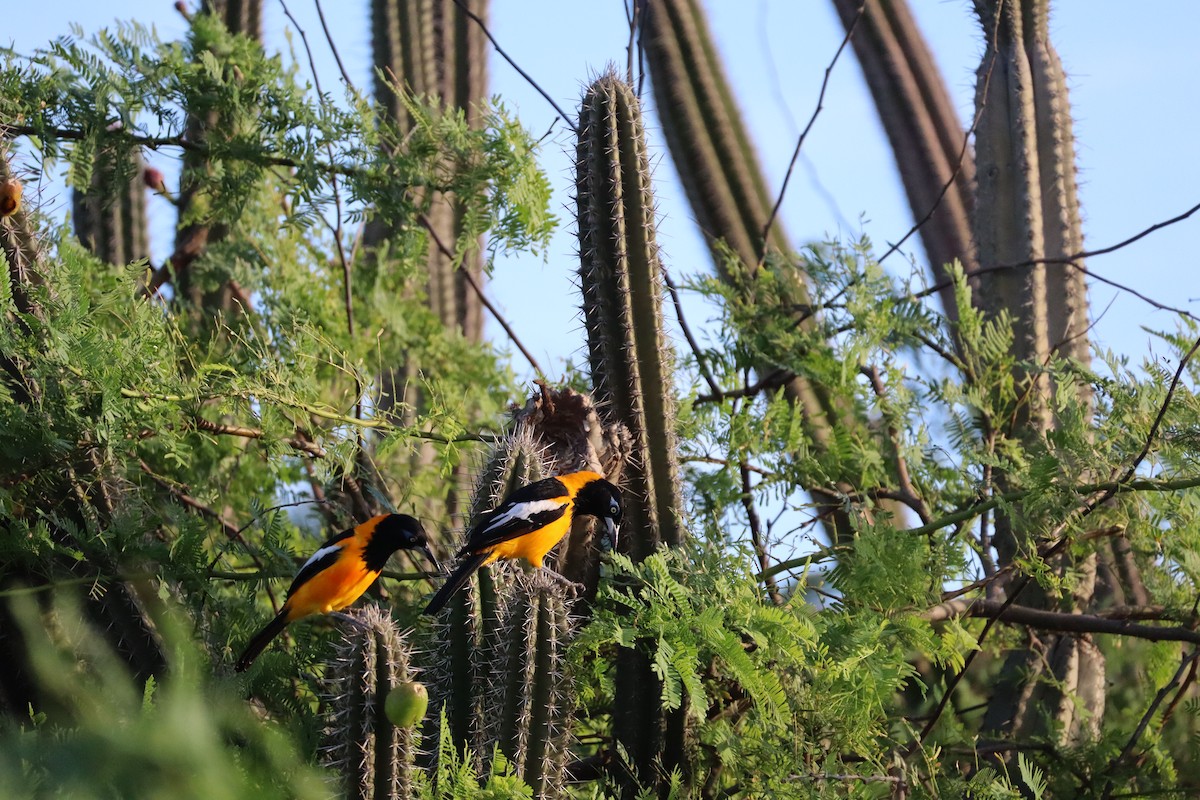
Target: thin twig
{"x":181,"y":142}
{"x":1184,"y":665}
{"x":766,"y":231}
{"x":1074,"y":258}
{"x":908,"y":493}
{"x":333,"y":48}
{"x":483,"y":27}
{"x":179,"y":492}
{"x":687,"y":334}
{"x":317,"y":411}
{"x":495,"y":312}
{"x":774,"y":379}
{"x":296,"y":443}
{"x":756,"y":537}
{"x":726,"y":463}
{"x":962,"y":154}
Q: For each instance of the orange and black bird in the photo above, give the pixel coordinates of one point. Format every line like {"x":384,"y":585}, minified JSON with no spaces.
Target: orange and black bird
{"x":340,"y":571}
{"x":530,"y":521}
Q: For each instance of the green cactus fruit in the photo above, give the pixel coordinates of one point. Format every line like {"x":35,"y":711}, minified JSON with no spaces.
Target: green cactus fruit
{"x":407,"y":703}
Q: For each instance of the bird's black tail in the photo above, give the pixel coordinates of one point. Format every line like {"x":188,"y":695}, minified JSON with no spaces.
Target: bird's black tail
{"x":262,"y":639}
{"x":455,"y":581}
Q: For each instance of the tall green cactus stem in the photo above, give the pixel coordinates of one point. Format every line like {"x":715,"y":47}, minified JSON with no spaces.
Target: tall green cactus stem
{"x":555,"y":431}
{"x":239,"y":16}
{"x":110,"y":216}
{"x":621,"y":279}
{"x":631,"y":368}
{"x":922,"y":127}
{"x":377,"y":759}
{"x":728,"y":194}
{"x":708,"y":142}
{"x":457,"y":672}
{"x":528,"y":701}
{"x":434,"y":50}
{"x":1027,"y":210}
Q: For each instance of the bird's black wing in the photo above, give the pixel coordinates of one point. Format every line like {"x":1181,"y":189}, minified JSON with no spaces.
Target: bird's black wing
{"x":323,"y":558}
{"x":524,"y":511}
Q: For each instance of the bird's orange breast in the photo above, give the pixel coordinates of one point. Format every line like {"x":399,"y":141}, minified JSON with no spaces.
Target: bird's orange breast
{"x":334,"y":587}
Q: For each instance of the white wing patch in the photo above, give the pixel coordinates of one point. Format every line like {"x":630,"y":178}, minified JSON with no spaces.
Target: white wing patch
{"x":317,"y":556}
{"x":524,"y":511}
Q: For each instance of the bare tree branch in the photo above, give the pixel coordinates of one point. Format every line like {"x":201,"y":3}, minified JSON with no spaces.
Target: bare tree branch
{"x":1116,"y":622}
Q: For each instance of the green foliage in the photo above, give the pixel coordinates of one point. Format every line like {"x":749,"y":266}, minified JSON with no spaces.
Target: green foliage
{"x":165,"y":469}
{"x":190,"y":736}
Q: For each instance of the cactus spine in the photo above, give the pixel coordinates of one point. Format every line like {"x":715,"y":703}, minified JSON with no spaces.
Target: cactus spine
{"x":631,"y":370}
{"x":376,"y":758}
{"x":110,"y":217}
{"x":1027,"y":209}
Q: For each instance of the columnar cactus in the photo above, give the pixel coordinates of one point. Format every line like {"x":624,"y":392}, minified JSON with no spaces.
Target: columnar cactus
{"x":375,"y":756}
{"x":481,"y":634}
{"x":709,"y":144}
{"x":528,"y":700}
{"x":621,"y":278}
{"x":110,"y":216}
{"x":1027,"y":209}
{"x":631,"y":368}
{"x":728,"y":194}
{"x":922,"y":127}
{"x":459,"y":669}
{"x":239,"y":16}
{"x":432,"y":49}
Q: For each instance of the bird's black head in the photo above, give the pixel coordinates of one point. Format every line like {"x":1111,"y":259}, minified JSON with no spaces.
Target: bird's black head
{"x":396,"y":532}
{"x":602,"y":500}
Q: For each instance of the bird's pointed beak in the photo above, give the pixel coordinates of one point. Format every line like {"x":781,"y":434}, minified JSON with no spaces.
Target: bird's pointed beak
{"x":611,"y":528}
{"x":429,"y":554}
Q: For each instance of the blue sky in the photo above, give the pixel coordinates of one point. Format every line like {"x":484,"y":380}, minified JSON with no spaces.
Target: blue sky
{"x":1132,"y":69}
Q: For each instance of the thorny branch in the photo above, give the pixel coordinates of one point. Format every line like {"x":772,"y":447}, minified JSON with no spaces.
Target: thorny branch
{"x":1185,"y":664}
{"x":701,"y":364}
